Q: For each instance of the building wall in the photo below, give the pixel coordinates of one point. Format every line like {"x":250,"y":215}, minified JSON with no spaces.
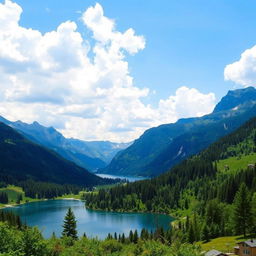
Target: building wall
{"x":245,"y":250}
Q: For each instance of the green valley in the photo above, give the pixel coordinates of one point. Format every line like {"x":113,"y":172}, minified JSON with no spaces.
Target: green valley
{"x":206,"y":193}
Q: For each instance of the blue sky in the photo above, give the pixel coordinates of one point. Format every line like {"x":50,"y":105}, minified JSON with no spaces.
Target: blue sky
{"x":187,"y":44}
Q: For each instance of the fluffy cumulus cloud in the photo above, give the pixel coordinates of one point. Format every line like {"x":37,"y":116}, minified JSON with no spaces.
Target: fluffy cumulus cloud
{"x":84,"y":90}
{"x":243,"y":71}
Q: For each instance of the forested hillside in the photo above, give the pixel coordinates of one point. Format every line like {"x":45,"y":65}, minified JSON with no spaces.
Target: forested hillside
{"x":90,"y":155}
{"x":21,"y":160}
{"x":162,"y":147}
{"x":210,"y":188}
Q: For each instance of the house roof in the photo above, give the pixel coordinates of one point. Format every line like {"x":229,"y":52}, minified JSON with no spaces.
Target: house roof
{"x":214,"y":253}
{"x":251,"y":243}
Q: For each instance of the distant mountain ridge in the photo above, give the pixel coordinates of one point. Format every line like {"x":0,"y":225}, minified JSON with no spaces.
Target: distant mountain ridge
{"x":236,"y":98}
{"x":90,"y":155}
{"x":22,"y":159}
{"x":159,"y":148}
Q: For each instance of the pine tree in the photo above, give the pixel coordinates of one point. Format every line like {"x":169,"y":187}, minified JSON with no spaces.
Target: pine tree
{"x":242,"y":215}
{"x":254,"y":213}
{"x":69,"y":226}
{"x":187,"y":223}
{"x":123,"y":239}
{"x":131,"y":236}
{"x":19,"y":199}
{"x":53,"y":236}
{"x":205,"y":233}
{"x":109,"y":237}
{"x":135,"y":237}
{"x":191,"y":235}
{"x":3,"y":198}
{"x":168,"y":236}
{"x":142,"y":234}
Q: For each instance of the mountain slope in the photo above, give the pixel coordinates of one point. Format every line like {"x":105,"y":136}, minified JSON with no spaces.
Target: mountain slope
{"x":160,"y":148}
{"x":89,"y":155}
{"x":203,"y":177}
{"x":22,"y":159}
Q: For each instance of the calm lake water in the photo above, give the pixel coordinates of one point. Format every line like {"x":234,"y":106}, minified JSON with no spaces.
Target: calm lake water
{"x":49,"y":215}
{"x":130,"y":178}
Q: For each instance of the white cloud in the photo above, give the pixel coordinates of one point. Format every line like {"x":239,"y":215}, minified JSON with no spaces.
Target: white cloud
{"x":186,"y":103}
{"x":53,"y":79}
{"x":243,"y":71}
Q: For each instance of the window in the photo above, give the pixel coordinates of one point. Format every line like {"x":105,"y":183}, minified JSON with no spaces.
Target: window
{"x":247,"y":252}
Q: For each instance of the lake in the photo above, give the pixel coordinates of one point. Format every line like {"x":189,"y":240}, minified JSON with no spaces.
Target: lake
{"x":48,"y":216}
{"x":129,"y":178}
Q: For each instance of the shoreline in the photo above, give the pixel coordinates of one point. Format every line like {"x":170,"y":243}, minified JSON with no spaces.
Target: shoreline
{"x":37,"y":200}
{"x":111,"y":211}
{"x":88,"y":208}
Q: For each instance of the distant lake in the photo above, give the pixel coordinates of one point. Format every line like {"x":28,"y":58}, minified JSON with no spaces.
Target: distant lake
{"x":129,"y":178}
{"x":48,"y":216}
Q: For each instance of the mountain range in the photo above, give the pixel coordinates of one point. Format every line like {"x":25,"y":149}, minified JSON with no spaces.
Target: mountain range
{"x":90,"y":155}
{"x":22,"y":160}
{"x":160,"y":148}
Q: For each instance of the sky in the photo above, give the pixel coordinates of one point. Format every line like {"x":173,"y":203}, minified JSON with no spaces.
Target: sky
{"x":109,"y":70}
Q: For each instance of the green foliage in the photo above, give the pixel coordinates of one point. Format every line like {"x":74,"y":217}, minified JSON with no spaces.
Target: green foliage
{"x":69,"y":226}
{"x":32,"y":242}
{"x":205,"y":236}
{"x":11,"y":219}
{"x":242,"y":217}
{"x":111,"y":246}
{"x":29,"y":241}
{"x":3,"y":198}
{"x":195,"y":187}
{"x":26,"y":242}
{"x":253,"y":204}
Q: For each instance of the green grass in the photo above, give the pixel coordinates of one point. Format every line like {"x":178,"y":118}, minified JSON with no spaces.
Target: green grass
{"x":69,"y":196}
{"x":223,"y":244}
{"x":236,"y":163}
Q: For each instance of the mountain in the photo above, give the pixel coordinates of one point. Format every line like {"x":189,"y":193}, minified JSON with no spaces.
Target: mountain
{"x":22,"y":159}
{"x":215,"y":174}
{"x":89,"y":155}
{"x":103,"y":150}
{"x":235,"y":98}
{"x":161,"y":147}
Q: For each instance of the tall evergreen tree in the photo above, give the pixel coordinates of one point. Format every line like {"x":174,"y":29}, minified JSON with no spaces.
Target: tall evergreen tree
{"x":3,"y":198}
{"x":131,"y":236}
{"x":254,"y":213}
{"x":254,"y":138}
{"x":242,"y":215}
{"x":191,"y":235}
{"x":135,"y":237}
{"x":123,"y":238}
{"x":69,"y":226}
{"x":205,"y":233}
